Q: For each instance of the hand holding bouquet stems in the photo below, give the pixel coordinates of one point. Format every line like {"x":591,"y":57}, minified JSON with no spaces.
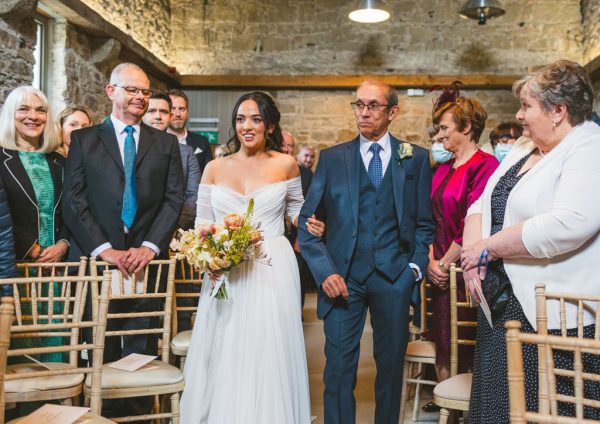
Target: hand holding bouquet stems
{"x":215,"y":248}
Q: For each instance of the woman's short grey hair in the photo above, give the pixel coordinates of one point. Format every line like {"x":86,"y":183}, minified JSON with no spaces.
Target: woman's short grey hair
{"x":51,"y":138}
{"x":560,"y":83}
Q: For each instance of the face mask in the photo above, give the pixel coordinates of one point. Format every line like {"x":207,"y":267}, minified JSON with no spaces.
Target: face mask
{"x":440,"y":155}
{"x":501,"y":150}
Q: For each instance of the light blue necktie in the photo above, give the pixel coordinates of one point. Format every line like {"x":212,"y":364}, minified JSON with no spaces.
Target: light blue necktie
{"x":375,"y":170}
{"x":130,"y":193}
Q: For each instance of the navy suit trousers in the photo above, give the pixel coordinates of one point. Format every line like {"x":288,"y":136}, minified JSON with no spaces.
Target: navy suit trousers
{"x":388,"y":304}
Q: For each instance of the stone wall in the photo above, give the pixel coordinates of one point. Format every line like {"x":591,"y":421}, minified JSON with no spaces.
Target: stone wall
{"x":590,"y":13}
{"x":147,"y":21}
{"x":17,"y":41}
{"x":316,"y":37}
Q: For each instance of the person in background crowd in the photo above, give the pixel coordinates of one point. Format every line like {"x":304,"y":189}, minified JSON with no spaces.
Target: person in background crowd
{"x":123,"y":193}
{"x":71,"y":119}
{"x":503,"y":137}
{"x":439,"y":155}
{"x":179,"y":118}
{"x":159,"y":116}
{"x":221,"y":151}
{"x":306,"y":156}
{"x":32,"y":175}
{"x":306,"y":175}
{"x":538,"y":220}
{"x":288,"y":144}
{"x":458,"y":182}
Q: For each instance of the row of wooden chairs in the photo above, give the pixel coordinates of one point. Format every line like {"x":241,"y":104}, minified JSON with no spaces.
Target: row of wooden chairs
{"x":49,"y":302}
{"x":453,"y":394}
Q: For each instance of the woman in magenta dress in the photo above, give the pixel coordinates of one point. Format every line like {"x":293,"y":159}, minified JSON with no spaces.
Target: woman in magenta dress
{"x":457,"y":183}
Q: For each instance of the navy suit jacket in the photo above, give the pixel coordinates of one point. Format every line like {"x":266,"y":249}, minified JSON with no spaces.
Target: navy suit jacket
{"x":201,"y":147}
{"x":334,"y":191}
{"x":95,"y":181}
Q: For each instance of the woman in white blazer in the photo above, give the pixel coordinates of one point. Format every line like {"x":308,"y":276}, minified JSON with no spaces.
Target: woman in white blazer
{"x":538,"y":220}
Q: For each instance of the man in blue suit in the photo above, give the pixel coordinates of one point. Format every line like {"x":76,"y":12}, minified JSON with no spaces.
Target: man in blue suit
{"x":374,"y":193}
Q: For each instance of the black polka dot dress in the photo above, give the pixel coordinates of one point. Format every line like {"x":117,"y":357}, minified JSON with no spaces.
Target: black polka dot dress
{"x":489,"y":392}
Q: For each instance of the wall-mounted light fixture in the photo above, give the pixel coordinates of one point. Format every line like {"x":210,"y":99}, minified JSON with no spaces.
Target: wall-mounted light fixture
{"x":481,"y":10}
{"x":369,"y":13}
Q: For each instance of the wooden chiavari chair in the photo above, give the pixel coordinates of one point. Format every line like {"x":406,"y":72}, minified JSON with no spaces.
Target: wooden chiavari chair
{"x":548,"y":374}
{"x":454,"y":393}
{"x":185,"y":301}
{"x":419,"y":353}
{"x":35,"y":318}
{"x":7,"y":311}
{"x":160,"y":378}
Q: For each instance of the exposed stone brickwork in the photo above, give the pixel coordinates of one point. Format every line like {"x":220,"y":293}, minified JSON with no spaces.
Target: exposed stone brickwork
{"x":17,"y":41}
{"x":316,"y":37}
{"x":590,"y":12}
{"x":147,"y":21}
{"x":323,"y":119}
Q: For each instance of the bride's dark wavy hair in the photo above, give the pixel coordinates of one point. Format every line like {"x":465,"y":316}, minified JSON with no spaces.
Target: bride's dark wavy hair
{"x":270,"y":116}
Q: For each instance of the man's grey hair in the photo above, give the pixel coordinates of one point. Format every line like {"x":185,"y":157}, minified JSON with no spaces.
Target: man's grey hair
{"x":115,"y":75}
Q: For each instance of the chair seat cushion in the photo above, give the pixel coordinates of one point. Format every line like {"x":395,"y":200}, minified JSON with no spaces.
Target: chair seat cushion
{"x":423,"y":348}
{"x":37,"y":384}
{"x":88,"y":418}
{"x":159,"y":374}
{"x":455,"y":388}
{"x":182,"y":340}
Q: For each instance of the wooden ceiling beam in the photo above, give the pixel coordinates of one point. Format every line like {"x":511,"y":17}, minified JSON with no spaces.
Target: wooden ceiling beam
{"x":321,"y":82}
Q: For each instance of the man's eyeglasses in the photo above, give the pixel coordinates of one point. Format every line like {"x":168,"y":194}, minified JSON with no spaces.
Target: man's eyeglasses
{"x":373,"y":107}
{"x":133,"y":91}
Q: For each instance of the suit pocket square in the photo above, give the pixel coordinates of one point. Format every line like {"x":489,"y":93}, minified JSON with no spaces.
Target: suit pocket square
{"x":198,"y":150}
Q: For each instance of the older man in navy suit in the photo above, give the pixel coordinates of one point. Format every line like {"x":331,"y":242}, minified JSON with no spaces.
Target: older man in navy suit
{"x":375,"y":194}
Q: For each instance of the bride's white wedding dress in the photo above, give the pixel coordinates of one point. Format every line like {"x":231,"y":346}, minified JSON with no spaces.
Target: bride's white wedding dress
{"x":247,"y":363}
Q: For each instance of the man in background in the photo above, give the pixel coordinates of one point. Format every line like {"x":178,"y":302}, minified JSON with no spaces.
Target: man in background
{"x":179,"y":119}
{"x":306,"y":280}
{"x":159,"y":117}
{"x":306,"y":156}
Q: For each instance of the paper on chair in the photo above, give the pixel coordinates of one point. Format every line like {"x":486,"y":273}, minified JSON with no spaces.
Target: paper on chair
{"x":55,"y":414}
{"x":127,"y":283}
{"x":483,"y":304}
{"x":132,"y":362}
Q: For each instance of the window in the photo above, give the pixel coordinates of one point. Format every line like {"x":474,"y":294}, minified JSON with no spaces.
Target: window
{"x":40,"y":53}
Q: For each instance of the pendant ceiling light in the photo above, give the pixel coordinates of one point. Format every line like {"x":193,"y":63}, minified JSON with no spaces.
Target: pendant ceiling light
{"x":368,"y":13}
{"x":481,"y":10}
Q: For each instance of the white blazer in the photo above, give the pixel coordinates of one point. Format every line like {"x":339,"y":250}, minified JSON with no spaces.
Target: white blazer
{"x":559,"y":202}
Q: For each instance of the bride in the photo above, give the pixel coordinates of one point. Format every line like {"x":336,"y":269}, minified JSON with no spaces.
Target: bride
{"x":246,"y":363}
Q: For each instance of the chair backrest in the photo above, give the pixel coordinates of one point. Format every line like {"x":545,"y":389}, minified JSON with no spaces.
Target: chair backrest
{"x":547,"y":381}
{"x":455,"y":322}
{"x":52,"y":269}
{"x":7,"y":310}
{"x":568,"y":304}
{"x":148,"y":285}
{"x":425,"y":299}
{"x":187,"y":283}
{"x":41,"y":313}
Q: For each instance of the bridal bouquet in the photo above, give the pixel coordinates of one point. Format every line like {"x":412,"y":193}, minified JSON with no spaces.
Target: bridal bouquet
{"x":216,"y":248}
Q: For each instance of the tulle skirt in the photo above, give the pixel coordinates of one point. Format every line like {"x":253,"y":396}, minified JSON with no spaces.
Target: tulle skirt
{"x":247,"y":363}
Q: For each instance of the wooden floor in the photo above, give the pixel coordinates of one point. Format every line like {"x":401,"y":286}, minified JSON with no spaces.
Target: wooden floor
{"x":365,"y":401}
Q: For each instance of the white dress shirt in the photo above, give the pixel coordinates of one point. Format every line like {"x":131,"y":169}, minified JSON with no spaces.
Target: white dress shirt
{"x":385,"y":154}
{"x":121,"y":135}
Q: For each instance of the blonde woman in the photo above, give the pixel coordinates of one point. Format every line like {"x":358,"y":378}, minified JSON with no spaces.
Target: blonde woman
{"x":71,"y":119}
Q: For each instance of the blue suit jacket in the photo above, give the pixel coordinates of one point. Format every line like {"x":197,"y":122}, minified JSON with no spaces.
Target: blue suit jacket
{"x":334,"y":191}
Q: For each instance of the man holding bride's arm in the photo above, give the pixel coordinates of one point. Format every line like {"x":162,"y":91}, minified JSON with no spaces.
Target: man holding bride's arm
{"x":375,"y":194}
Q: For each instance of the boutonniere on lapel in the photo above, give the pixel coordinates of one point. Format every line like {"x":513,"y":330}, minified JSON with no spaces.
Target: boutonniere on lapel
{"x":405,"y":151}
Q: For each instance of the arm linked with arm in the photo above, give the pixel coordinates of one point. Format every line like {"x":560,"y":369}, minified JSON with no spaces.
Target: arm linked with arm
{"x":313,"y":248}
